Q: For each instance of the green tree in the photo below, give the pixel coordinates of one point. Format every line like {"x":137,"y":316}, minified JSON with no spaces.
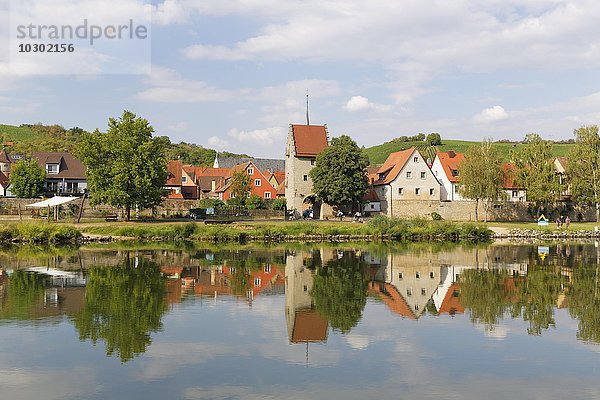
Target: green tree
{"x":126,"y":167}
{"x":340,"y":291}
{"x":278,"y":204}
{"x":481,"y":175}
{"x":24,"y":295}
{"x":584,"y":301}
{"x":122,"y":306}
{"x":27,"y":179}
{"x":483,"y":292}
{"x":434,"y":139}
{"x":255,"y":202}
{"x":584,"y":167}
{"x":240,"y":188}
{"x":340,"y":173}
{"x":535,"y":171}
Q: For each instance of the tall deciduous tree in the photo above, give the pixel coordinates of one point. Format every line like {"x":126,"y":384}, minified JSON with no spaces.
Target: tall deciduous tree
{"x":126,"y":166}
{"x":535,"y":171}
{"x":27,"y":179}
{"x":340,"y":173}
{"x":481,"y":175}
{"x":584,"y":167}
{"x":241,"y":186}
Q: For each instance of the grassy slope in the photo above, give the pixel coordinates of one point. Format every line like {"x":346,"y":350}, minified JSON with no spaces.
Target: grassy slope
{"x":378,"y":154}
{"x":18,"y":134}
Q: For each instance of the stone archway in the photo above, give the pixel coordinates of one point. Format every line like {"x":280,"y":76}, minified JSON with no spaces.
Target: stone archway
{"x":312,"y":201}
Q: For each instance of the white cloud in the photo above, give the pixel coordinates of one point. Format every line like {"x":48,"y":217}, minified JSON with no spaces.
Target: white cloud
{"x":167,"y":86}
{"x":261,"y":137}
{"x":360,"y":103}
{"x":217,"y":143}
{"x":178,"y":127}
{"x":492,"y":114}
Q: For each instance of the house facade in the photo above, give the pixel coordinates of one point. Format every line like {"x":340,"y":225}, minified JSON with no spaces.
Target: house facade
{"x":405,"y":176}
{"x":445,"y":168}
{"x":65,"y":174}
{"x":304,"y":143}
{"x":513,"y":192}
{"x":259,"y":182}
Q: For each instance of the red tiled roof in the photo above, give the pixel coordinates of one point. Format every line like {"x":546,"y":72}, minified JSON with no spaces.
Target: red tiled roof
{"x":175,"y":196}
{"x":309,"y":140}
{"x":4,"y":157}
{"x":393,"y":165}
{"x":280,"y":189}
{"x":394,"y":300}
{"x":309,"y":326}
{"x":451,"y":304}
{"x":509,"y":177}
{"x":450,"y":161}
{"x":174,"y":169}
{"x":279,"y":176}
{"x":371,"y":195}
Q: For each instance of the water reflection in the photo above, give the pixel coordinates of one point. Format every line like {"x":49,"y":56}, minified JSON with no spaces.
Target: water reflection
{"x":120,"y":297}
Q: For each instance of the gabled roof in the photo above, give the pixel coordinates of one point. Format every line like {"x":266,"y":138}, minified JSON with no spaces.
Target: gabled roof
{"x":69,"y":166}
{"x":450,"y":161}
{"x":264,"y":164}
{"x":309,"y":326}
{"x":212,"y":172}
{"x":279,"y":177}
{"x":205,"y":182}
{"x":371,"y":196}
{"x":4,"y":157}
{"x":561,"y":164}
{"x":394,"y":300}
{"x":451,"y":303}
{"x":509,"y":171}
{"x":174,"y":173}
{"x":309,"y":140}
{"x":393,"y":165}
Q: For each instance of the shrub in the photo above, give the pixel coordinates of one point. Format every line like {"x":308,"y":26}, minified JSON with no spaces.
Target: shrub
{"x":436,"y":216}
{"x":278,"y":204}
{"x":255,"y":202}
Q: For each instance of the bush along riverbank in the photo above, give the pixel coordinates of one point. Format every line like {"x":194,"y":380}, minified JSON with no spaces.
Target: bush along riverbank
{"x":377,"y":229}
{"x":39,"y":232}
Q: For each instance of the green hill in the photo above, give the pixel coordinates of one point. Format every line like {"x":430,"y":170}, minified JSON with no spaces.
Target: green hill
{"x":18,"y":133}
{"x":378,"y":154}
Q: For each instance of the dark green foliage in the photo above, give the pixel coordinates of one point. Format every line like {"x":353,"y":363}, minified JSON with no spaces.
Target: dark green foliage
{"x":584,"y":167}
{"x":436,"y":216}
{"x":241,"y":185}
{"x":27,"y":179}
{"x":126,"y":166}
{"x":483,"y":292}
{"x":123,"y":305}
{"x":340,"y":291}
{"x":24,"y":293}
{"x":255,"y":202}
{"x":340,"y":173}
{"x":584,"y":301}
{"x":278,"y":204}
{"x":434,"y":139}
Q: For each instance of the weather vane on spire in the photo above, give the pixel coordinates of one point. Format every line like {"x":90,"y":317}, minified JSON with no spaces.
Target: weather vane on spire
{"x":307,"y":120}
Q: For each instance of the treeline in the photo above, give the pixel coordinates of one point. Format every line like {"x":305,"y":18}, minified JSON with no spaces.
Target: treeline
{"x":55,"y":137}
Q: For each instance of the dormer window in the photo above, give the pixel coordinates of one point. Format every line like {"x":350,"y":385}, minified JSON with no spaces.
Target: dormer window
{"x":52,"y":168}
{"x":415,"y":159}
{"x":454,"y":172}
{"x":184,"y":179}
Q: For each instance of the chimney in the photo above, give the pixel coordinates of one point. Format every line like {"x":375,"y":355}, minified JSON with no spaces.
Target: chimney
{"x":451,"y":154}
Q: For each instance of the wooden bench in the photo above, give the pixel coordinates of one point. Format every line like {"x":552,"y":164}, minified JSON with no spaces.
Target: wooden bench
{"x":111,"y":218}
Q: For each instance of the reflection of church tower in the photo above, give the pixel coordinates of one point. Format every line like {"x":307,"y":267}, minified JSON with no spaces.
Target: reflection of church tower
{"x":304,"y":323}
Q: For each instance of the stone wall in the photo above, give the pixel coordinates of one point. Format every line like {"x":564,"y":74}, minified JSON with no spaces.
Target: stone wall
{"x":465,"y":211}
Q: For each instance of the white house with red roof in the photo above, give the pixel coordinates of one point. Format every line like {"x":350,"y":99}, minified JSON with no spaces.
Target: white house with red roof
{"x":304,"y":143}
{"x":445,"y":168}
{"x":403,"y":176}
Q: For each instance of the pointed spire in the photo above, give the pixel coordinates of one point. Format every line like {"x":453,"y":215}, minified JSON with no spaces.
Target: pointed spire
{"x":307,"y":120}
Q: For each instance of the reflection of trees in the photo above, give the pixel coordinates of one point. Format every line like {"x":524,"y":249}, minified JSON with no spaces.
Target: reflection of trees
{"x":240,"y":278}
{"x":122,"y":306}
{"x":535,"y":297}
{"x":340,"y":291}
{"x":24,"y":291}
{"x":484,"y":293}
{"x":584,"y":302}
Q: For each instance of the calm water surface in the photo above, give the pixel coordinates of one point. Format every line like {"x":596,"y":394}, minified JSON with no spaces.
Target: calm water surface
{"x":302,"y":322}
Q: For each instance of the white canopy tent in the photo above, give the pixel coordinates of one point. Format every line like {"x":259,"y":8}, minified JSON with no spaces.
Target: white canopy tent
{"x":52,"y":202}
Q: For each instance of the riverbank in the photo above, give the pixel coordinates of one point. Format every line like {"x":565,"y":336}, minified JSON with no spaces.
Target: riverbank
{"x":377,"y":229}
{"x":579,"y":230}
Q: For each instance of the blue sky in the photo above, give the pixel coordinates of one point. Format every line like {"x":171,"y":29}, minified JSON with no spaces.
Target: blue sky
{"x":233,"y":74}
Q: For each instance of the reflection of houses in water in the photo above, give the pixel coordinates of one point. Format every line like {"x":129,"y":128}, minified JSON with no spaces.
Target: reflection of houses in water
{"x":406,"y":283}
{"x":303,"y":322}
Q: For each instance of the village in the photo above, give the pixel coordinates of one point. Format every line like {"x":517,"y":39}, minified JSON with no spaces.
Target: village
{"x":406,"y":185}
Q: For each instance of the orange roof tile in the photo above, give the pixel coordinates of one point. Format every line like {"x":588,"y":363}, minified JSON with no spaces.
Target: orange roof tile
{"x":309,"y":326}
{"x":174,"y":169}
{"x":393,"y":165}
{"x":450,"y":161}
{"x":3,"y":180}
{"x":451,"y":303}
{"x":309,"y":140}
{"x":279,"y":176}
{"x":509,"y":177}
{"x":392,"y":299}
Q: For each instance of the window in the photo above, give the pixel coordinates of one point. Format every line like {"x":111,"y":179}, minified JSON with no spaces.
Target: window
{"x":422,"y":175}
{"x":267,"y":268}
{"x":432,"y":274}
{"x":400,"y":191}
{"x":257,"y":182}
{"x":184,"y":179}
{"x":431,"y":191}
{"x":305,"y":288}
{"x":400,"y":275}
{"x":515,"y":193}
{"x":257,"y":282}
{"x":372,"y":206}
{"x":409,"y":291}
{"x":423,"y":292}
{"x":416,"y":307}
{"x":418,"y":275}
{"x":418,"y":191}
{"x":415,"y":159}
{"x":250,"y":171}
{"x":408,"y":175}
{"x":455,"y":188}
{"x":312,"y":162}
{"x":52,"y":168}
{"x":454,"y":172}
{"x":267,"y":195}
{"x":232,"y":195}
{"x":305,"y":177}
